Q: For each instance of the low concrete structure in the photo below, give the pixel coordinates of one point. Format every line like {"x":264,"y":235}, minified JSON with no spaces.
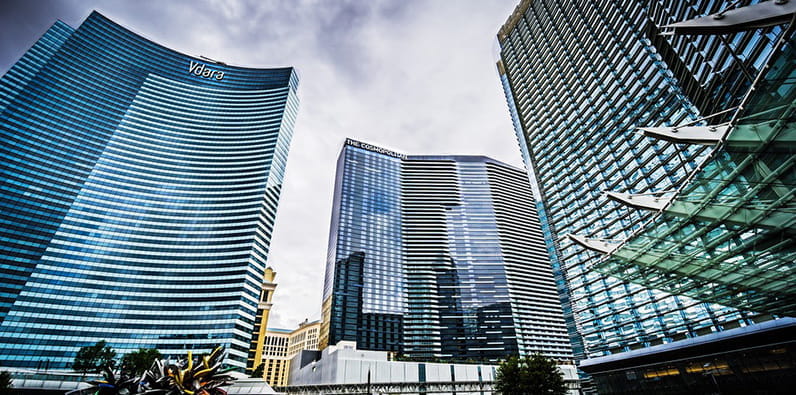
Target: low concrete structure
{"x":344,"y":369}
{"x":249,"y":386}
{"x":32,"y":381}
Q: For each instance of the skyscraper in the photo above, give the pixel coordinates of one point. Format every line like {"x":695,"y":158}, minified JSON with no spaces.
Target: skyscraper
{"x":138,"y":193}
{"x":437,"y":257}
{"x":581,"y":78}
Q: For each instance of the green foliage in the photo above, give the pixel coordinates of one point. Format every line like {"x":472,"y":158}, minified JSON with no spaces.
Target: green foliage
{"x":466,"y":361}
{"x":5,"y":383}
{"x":259,"y":371}
{"x":138,"y":362}
{"x":94,"y":359}
{"x":534,"y":374}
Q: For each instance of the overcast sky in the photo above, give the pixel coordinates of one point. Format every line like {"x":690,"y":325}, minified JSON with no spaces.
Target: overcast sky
{"x":416,"y":77}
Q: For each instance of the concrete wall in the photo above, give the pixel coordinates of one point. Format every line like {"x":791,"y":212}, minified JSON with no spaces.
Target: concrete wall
{"x":344,"y":364}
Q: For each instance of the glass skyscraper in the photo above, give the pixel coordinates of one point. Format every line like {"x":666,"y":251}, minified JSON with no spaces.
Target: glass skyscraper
{"x":137,"y":195}
{"x":580,"y":78}
{"x":437,"y":257}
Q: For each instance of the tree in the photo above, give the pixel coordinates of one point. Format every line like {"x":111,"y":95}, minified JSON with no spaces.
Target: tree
{"x":92,"y":359}
{"x":138,"y":362}
{"x":5,"y":383}
{"x":534,"y":374}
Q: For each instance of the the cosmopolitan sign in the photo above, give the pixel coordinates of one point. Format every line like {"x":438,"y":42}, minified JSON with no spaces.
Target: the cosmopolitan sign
{"x":203,"y":70}
{"x":374,"y":148}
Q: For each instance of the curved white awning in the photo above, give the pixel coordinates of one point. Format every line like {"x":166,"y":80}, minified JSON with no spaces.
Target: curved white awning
{"x":764,"y":14}
{"x":644,"y":202}
{"x":599,"y":245}
{"x":705,"y":135}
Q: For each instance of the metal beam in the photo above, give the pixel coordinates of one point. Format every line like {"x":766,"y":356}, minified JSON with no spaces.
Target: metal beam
{"x":764,"y":133}
{"x":729,"y":214}
{"x":762,"y":216}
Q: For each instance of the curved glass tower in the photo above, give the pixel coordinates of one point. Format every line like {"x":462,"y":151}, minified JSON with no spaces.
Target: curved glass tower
{"x":606,"y":70}
{"x":138,"y":192}
{"x":438,"y":257}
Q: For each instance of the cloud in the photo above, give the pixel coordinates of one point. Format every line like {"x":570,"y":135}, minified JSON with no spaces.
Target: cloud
{"x":413,"y":76}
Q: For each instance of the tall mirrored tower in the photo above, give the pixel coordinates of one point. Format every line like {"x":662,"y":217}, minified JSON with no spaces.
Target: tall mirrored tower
{"x":438,"y":257}
{"x":138,"y":192}
{"x":580,"y":78}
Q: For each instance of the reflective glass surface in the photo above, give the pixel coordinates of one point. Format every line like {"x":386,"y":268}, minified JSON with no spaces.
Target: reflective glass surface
{"x":363,"y":290}
{"x":581,"y":77}
{"x":438,"y":257}
{"x":728,"y":234}
{"x":137,"y":197}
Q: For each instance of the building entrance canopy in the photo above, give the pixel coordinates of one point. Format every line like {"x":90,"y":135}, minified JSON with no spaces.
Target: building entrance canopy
{"x":728,"y":235}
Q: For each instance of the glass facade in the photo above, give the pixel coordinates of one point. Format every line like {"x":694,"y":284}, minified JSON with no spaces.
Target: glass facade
{"x":580,"y":77}
{"x":727,"y":234}
{"x":363,"y":288}
{"x":438,"y":257}
{"x":137,"y":196}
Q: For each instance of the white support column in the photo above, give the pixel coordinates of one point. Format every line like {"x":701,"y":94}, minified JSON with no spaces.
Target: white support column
{"x":755,"y":16}
{"x":599,"y":245}
{"x":643,"y":202}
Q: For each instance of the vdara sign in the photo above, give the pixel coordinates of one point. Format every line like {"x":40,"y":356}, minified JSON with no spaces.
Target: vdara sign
{"x":373,"y":148}
{"x":202,"y":70}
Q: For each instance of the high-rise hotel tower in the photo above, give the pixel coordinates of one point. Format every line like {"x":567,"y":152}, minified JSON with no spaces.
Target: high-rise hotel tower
{"x":603,"y":96}
{"x":437,"y":257}
{"x":138,"y":192}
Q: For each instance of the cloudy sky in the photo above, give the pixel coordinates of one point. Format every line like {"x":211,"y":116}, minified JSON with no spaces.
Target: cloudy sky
{"x":413,"y":76}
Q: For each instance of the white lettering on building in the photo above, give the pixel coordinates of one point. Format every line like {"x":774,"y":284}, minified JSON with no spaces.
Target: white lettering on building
{"x":202,"y":70}
{"x":374,"y":148}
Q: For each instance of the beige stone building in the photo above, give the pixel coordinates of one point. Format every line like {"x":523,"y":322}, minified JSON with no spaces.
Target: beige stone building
{"x":281,"y":345}
{"x":261,"y":321}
